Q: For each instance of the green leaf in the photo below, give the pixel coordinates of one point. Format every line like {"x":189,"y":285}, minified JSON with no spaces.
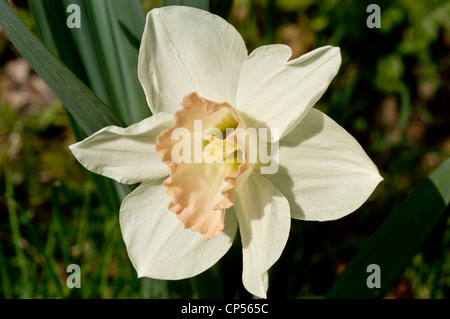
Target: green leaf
{"x":399,"y":237}
{"x":108,"y":40}
{"x":201,"y":4}
{"x":47,"y":16}
{"x":103,"y":52}
{"x":87,"y":109}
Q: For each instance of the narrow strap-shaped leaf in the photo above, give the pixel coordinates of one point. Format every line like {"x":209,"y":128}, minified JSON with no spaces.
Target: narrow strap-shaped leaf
{"x":397,"y":239}
{"x":87,"y":109}
{"x":85,"y":64}
{"x":49,"y":16}
{"x":108,"y":45}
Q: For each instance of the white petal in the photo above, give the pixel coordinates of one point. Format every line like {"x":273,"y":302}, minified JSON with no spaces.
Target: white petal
{"x":277,"y":94}
{"x":186,"y":50}
{"x":127,"y":155}
{"x":264,"y":223}
{"x":325,"y":174}
{"x":158,"y":244}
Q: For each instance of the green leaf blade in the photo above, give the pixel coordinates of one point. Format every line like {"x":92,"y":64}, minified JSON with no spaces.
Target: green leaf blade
{"x":397,"y":240}
{"x":87,"y":109}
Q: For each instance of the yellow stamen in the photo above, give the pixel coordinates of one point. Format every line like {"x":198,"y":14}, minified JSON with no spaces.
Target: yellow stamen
{"x":217,"y":149}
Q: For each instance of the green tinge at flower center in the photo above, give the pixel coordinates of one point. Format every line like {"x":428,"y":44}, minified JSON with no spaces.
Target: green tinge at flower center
{"x":218,"y":150}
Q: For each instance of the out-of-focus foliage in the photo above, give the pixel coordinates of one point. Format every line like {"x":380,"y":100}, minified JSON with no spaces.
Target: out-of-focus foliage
{"x":391,"y":93}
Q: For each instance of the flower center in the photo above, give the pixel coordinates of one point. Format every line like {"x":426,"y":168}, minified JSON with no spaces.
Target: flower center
{"x":217,"y":150}
{"x":203,"y":189}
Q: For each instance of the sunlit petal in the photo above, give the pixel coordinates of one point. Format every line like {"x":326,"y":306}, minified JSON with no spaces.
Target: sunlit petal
{"x":264,"y":223}
{"x":158,"y":244}
{"x":125,"y":154}
{"x":325,"y":174}
{"x":276,"y":93}
{"x":179,"y":54}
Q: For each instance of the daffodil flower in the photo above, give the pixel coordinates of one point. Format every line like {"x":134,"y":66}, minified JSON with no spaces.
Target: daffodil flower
{"x":183,"y":217}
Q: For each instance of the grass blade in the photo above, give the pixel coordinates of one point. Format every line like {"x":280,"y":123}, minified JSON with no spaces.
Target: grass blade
{"x":16,"y":235}
{"x":4,"y":276}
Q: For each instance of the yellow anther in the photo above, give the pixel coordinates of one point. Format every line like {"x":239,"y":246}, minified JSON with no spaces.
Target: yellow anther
{"x":217,"y":149}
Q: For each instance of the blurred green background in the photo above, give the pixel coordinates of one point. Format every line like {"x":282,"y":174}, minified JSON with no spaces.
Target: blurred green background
{"x":392,"y":94}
